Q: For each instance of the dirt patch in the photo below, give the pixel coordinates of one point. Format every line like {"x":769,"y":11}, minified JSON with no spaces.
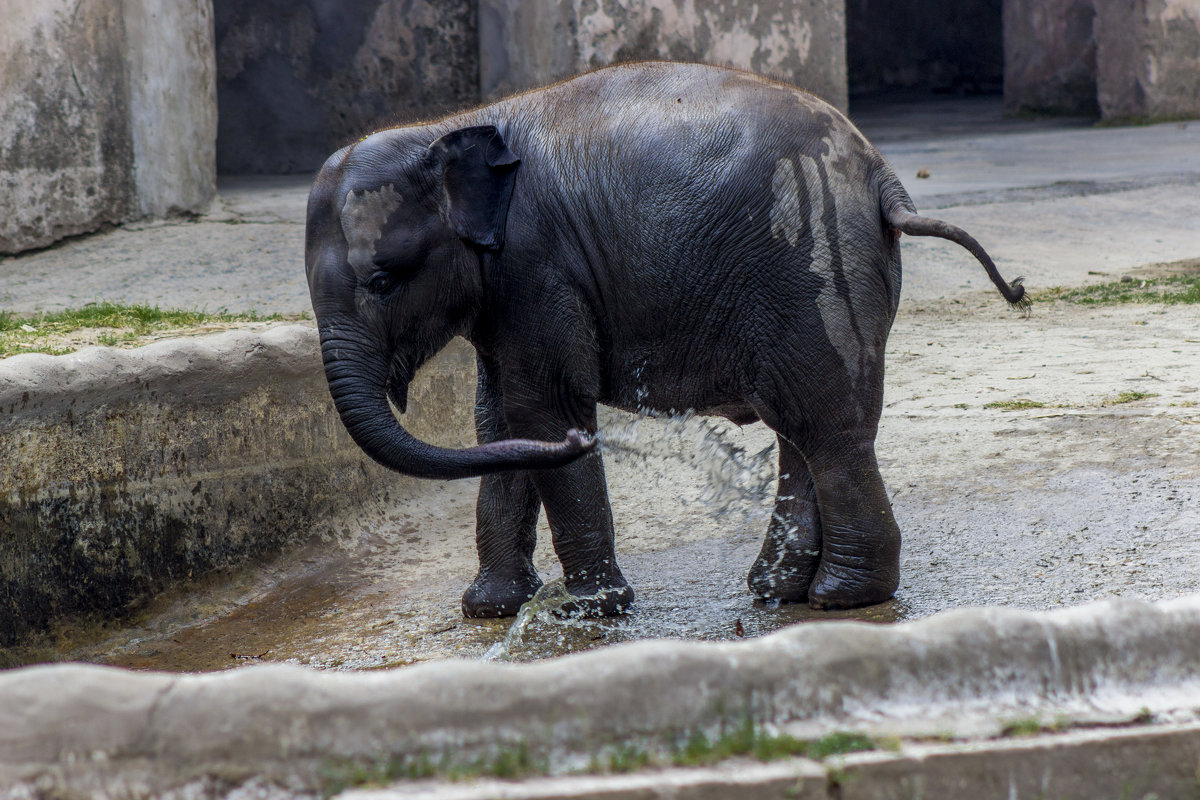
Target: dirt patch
{"x":1187,"y":266}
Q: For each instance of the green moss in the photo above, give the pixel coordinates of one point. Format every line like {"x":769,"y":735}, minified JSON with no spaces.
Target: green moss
{"x":112,"y":324}
{"x":1021,"y":727}
{"x":749,"y":740}
{"x":1168,"y":290}
{"x":1127,"y":397}
{"x":508,"y":763}
{"x":1019,"y":404}
{"x":1031,"y":726}
{"x":628,"y":758}
{"x":841,"y":743}
{"x":745,"y":740}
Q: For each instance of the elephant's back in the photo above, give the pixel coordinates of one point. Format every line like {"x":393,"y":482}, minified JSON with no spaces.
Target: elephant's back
{"x":657,"y":131}
{"x":666,"y":107}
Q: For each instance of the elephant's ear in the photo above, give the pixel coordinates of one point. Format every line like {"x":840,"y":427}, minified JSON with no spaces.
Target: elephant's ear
{"x":478,"y":171}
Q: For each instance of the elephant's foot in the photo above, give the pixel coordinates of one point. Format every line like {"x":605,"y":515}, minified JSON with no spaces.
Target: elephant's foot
{"x":785,"y":568}
{"x":499,"y":595}
{"x":591,"y":598}
{"x":842,"y":586}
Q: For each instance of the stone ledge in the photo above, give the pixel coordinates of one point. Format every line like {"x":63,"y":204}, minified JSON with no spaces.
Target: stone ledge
{"x":962,"y":673}
{"x":794,"y":779}
{"x":124,"y":471}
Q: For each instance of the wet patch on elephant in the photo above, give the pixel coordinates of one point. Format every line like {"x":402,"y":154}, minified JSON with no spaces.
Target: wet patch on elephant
{"x":839,"y":302}
{"x":785,"y":211}
{"x":363,"y":217}
{"x":833,"y":300}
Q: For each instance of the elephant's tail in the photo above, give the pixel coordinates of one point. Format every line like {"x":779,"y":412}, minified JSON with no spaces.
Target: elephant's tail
{"x":900,"y":213}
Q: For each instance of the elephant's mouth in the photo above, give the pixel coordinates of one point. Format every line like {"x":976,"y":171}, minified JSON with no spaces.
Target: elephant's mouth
{"x":397,"y":383}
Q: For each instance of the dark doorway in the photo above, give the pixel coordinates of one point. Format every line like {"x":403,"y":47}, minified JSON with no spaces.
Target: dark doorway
{"x":914,"y":48}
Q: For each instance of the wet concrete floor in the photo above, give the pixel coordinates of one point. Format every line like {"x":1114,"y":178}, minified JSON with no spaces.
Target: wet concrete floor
{"x":1079,"y":499}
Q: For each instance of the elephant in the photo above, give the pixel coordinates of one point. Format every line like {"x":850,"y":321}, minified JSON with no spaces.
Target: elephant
{"x":652,"y":235}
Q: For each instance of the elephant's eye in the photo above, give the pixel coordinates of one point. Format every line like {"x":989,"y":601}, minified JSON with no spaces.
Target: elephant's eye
{"x":379,"y":283}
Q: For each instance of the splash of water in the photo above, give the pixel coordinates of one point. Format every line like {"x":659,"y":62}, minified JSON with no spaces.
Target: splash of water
{"x":543,"y":610}
{"x":733,"y":480}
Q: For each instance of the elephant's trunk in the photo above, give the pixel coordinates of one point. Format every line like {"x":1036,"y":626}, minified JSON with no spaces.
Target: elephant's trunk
{"x":358,"y":380}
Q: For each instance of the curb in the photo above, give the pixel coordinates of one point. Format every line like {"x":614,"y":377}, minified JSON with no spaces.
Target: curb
{"x":1121,"y":764}
{"x":958,"y":673}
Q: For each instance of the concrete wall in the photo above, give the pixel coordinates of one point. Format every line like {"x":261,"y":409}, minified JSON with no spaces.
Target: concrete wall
{"x":123,"y":472}
{"x":1124,"y":60}
{"x":1049,"y":57}
{"x":939,"y":45}
{"x":297,"y":80}
{"x":1148,"y":59}
{"x":528,"y":43}
{"x":108,"y":114}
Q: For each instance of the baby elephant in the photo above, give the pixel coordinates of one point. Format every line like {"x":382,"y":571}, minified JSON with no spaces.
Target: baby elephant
{"x":653,"y":235}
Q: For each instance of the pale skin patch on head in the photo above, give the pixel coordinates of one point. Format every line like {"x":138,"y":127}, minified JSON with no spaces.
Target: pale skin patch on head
{"x":363,"y":217}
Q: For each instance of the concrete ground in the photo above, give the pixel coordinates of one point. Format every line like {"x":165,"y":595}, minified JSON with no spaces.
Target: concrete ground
{"x":1040,"y":508}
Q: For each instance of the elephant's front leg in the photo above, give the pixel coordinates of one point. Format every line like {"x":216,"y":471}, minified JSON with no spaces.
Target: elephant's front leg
{"x":791,"y":551}
{"x":577,"y":508}
{"x":505,"y":519}
{"x":576,"y":501}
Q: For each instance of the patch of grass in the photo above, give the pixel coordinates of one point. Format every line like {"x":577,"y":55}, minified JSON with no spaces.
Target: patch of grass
{"x":841,"y":743}
{"x":746,"y":740}
{"x":1021,"y":727}
{"x":749,"y":740}
{"x":1020,"y":404}
{"x":1030,"y":726}
{"x":1169,"y":290}
{"x":110,"y":324}
{"x":508,"y":763}
{"x":1127,"y":397}
{"x":337,"y":776}
{"x":961,"y":406}
{"x":628,"y":758}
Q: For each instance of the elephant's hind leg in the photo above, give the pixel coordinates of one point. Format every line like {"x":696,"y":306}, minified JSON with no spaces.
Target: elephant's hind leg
{"x":791,"y":551}
{"x":505,"y":520}
{"x":834,"y":429}
{"x":860,"y":541}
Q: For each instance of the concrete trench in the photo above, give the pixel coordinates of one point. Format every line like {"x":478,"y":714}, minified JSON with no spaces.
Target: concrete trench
{"x":127,"y":472}
{"x":247,"y":420}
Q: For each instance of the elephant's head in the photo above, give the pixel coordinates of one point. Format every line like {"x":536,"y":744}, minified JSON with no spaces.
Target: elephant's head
{"x":397,"y":230}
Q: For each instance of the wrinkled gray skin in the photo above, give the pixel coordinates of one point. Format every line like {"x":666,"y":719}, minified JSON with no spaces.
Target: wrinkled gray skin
{"x":651,"y":235}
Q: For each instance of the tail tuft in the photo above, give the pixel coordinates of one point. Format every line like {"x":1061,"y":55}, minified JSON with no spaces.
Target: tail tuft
{"x":906,"y":221}
{"x":1022,"y":302}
